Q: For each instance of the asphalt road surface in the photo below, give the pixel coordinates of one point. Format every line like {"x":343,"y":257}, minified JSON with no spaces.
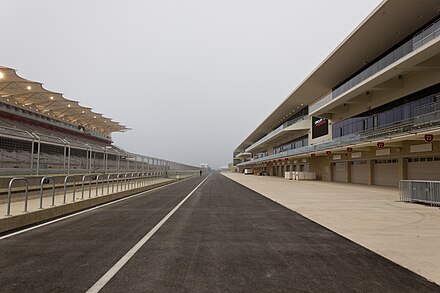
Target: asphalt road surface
{"x":217,"y":236}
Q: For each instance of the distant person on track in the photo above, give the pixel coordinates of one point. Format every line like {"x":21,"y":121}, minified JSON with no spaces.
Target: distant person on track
{"x":200,"y":172}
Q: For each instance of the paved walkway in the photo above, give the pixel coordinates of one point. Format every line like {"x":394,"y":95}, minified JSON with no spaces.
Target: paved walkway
{"x":372,"y":216}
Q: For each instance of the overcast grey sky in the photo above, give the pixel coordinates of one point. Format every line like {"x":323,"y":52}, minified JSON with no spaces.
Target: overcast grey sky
{"x":192,"y":78}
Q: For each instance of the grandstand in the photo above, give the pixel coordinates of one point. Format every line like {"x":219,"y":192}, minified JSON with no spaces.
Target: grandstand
{"x":42,"y":132}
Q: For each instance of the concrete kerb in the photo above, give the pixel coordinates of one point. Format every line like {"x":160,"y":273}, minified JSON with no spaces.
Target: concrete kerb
{"x":35,"y":217}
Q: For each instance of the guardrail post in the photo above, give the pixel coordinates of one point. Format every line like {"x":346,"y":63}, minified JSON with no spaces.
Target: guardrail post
{"x":90,"y":185}
{"x":108,"y":183}
{"x":132,"y":179}
{"x":125,"y":181}
{"x":41,"y":190}
{"x":65,"y":187}
{"x":102,"y":187}
{"x":8,"y":209}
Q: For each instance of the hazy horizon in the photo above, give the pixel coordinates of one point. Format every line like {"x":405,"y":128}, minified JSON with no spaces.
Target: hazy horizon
{"x":191,"y":78}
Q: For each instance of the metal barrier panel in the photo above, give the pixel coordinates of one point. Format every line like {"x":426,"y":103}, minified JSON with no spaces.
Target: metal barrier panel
{"x":427,"y":192}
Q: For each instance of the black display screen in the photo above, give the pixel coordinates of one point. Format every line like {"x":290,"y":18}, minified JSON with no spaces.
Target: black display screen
{"x":319,"y":127}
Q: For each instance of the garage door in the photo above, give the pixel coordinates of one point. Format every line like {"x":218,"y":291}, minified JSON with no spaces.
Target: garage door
{"x":423,"y":168}
{"x":339,"y":172}
{"x":385,"y":173}
{"x":306,"y":167}
{"x":359,"y":172}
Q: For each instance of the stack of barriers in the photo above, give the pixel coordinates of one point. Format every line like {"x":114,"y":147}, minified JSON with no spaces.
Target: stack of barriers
{"x":300,"y":175}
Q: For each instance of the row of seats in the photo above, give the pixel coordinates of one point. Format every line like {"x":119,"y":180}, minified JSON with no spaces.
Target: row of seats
{"x":51,"y":133}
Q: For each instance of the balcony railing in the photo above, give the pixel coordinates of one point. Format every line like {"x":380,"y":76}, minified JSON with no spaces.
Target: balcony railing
{"x":412,"y":125}
{"x":277,"y":130}
{"x":428,"y":34}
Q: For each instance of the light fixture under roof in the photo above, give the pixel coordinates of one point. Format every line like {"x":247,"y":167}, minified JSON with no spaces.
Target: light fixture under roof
{"x":68,"y":106}
{"x":28,"y":87}
{"x":2,"y":75}
{"x":51,"y":97}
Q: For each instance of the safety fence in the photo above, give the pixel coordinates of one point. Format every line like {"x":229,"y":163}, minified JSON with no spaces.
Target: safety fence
{"x":89,"y":185}
{"x":420,"y":191}
{"x":31,"y":153}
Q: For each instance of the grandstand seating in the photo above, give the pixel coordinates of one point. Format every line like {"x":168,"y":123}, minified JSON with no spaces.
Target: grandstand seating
{"x":17,"y":134}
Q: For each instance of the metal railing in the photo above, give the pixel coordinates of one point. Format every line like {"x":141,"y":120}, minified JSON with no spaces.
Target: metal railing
{"x":420,"y":191}
{"x":65,"y":188}
{"x":26,"y":151}
{"x":11,"y":183}
{"x":276,"y":131}
{"x":408,"y":126}
{"x":128,"y":181}
{"x":43,"y":181}
{"x":428,"y":34}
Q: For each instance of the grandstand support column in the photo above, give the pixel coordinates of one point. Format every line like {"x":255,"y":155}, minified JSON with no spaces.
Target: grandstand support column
{"x":135,"y":163}
{"x":32,"y":152}
{"x":104,"y":152}
{"x":118,"y":161}
{"x":87,"y":155}
{"x":68,"y":160}
{"x":143,"y":164}
{"x":66,"y":156}
{"x":92,"y":160}
{"x":89,"y":159}
{"x":105,"y":159}
{"x":38,"y":153}
{"x":89,"y":166}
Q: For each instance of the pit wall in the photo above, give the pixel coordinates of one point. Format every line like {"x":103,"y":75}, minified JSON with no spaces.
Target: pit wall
{"x":35,"y":217}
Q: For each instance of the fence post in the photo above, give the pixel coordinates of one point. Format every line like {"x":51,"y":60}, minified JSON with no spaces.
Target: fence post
{"x":8,"y":209}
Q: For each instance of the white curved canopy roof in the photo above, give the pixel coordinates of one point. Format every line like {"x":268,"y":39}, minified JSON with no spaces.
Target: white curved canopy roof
{"x":32,"y":96}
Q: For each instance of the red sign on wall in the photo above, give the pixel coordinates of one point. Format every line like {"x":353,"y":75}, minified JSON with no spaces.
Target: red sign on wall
{"x":328,"y":152}
{"x":429,"y":137}
{"x":312,"y":155}
{"x":349,"y":150}
{"x":381,"y":145}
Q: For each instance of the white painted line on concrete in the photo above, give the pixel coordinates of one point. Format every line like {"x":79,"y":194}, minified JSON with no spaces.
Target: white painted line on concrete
{"x":84,"y":211}
{"x":112,"y":272}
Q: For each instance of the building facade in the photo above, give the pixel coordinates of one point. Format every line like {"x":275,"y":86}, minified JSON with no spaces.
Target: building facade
{"x":369,"y":113}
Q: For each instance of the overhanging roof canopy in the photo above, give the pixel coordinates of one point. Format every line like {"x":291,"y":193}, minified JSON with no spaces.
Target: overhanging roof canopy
{"x":390,"y":23}
{"x":32,"y":96}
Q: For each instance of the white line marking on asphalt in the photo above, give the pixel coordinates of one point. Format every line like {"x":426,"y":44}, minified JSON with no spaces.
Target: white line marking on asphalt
{"x":112,"y":272}
{"x":84,"y":211}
